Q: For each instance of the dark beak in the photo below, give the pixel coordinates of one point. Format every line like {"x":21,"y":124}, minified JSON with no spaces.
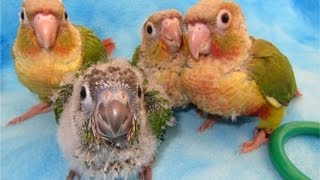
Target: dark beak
{"x":115,"y":119}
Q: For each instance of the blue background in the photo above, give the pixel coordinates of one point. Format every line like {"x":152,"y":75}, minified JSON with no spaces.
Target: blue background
{"x":30,"y":150}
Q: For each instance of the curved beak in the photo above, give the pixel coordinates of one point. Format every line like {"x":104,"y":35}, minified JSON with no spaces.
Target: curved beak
{"x":171,"y":34}
{"x":46,"y":29}
{"x":199,"y":39}
{"x":115,"y":119}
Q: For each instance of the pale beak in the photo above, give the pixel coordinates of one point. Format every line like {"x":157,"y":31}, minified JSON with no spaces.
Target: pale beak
{"x":46,"y":29}
{"x":199,"y":39}
{"x":171,"y":34}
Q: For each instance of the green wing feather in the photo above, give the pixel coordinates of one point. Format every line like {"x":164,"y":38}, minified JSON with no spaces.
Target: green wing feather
{"x":135,"y":57}
{"x":62,"y":97}
{"x":159,"y":115}
{"x":272,"y":71}
{"x":93,"y":50}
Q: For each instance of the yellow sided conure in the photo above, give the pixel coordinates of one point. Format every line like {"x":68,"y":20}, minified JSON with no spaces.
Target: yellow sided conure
{"x":48,"y":47}
{"x":162,"y":53}
{"x":232,"y":74}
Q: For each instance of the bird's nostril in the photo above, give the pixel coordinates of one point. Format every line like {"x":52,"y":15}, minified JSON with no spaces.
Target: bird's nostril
{"x":168,"y":38}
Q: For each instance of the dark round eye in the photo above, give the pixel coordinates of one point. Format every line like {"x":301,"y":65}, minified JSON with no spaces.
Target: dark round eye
{"x":225,"y":18}
{"x":149,"y":29}
{"x":83,"y":93}
{"x":66,"y":15}
{"x":22,"y":15}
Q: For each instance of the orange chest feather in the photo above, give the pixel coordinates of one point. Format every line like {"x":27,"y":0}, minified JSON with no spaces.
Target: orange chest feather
{"x":218,"y":91}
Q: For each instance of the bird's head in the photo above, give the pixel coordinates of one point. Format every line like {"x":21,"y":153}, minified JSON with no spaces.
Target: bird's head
{"x":216,"y":28}
{"x":110,"y":97}
{"x":163,"y":29}
{"x":45,"y":18}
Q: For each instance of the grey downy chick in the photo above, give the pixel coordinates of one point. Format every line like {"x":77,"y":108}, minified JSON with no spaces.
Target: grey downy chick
{"x":110,"y":124}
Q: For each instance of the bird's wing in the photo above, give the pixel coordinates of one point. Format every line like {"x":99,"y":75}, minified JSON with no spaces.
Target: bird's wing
{"x":60,"y":99}
{"x":135,"y":57}
{"x":272,"y":72}
{"x":159,"y":113}
{"x":93,"y":50}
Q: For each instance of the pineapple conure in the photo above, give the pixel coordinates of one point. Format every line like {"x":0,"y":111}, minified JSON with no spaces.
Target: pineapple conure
{"x":163,"y":53}
{"x":48,"y":47}
{"x":232,"y":74}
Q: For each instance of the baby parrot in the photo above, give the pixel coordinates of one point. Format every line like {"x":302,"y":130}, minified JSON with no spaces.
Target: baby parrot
{"x":232,"y":74}
{"x":48,"y":46}
{"x":162,"y":53}
{"x":112,"y":122}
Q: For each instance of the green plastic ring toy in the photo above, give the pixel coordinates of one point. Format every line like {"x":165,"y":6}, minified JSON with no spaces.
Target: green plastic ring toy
{"x":276,"y":146}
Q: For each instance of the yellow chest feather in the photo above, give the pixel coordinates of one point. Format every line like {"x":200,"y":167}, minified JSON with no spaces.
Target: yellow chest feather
{"x":43,"y":72}
{"x":221,"y":88}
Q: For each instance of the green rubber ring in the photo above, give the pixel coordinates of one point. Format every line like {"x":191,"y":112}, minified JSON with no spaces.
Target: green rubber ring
{"x":276,"y":146}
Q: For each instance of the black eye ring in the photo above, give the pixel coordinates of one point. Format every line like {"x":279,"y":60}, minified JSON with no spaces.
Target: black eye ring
{"x":149,"y":29}
{"x":66,"y":15}
{"x":83,"y":93}
{"x":22,"y":15}
{"x":225,"y":18}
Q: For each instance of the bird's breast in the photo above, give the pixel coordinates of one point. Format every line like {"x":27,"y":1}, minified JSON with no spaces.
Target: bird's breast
{"x":43,"y":73}
{"x":221,"y":90}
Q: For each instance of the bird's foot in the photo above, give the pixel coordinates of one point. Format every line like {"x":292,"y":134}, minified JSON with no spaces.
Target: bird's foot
{"x":298,"y":93}
{"x":146,"y":174}
{"x":35,"y":110}
{"x":72,"y":174}
{"x":109,"y":45}
{"x":208,"y":123}
{"x":261,"y":136}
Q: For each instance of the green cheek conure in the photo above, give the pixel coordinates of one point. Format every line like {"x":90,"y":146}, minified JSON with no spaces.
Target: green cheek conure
{"x":111,"y":122}
{"x":232,"y":74}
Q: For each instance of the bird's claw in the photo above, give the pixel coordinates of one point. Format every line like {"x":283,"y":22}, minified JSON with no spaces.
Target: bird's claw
{"x":146,"y":174}
{"x":260,"y":137}
{"x":207,"y":124}
{"x":35,"y":110}
{"x":15,"y":121}
{"x":72,"y":174}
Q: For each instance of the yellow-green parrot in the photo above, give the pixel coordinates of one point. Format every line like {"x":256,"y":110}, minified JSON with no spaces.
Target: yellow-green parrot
{"x":48,"y":47}
{"x":232,"y":74}
{"x":162,"y":53}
